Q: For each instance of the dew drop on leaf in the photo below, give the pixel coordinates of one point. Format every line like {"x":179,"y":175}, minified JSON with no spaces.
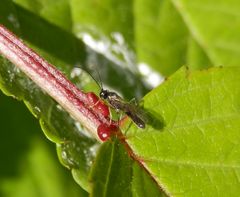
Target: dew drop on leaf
{"x":37,"y":111}
{"x":64,"y":155}
{"x":75,"y":72}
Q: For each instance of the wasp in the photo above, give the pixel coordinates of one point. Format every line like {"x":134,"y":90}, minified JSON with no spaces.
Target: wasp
{"x":119,"y":104}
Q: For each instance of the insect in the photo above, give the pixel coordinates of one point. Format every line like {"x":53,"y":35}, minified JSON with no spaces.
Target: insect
{"x":119,"y":104}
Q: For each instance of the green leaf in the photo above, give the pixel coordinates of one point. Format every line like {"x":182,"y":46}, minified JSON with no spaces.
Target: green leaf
{"x":215,"y":26}
{"x":117,"y":17}
{"x":114,"y":173}
{"x":75,"y":15}
{"x":143,"y":184}
{"x":28,"y":164}
{"x":159,"y":31}
{"x":196,"y":57}
{"x":56,"y":12}
{"x":196,"y":152}
{"x":161,"y":35}
{"x":164,"y":28}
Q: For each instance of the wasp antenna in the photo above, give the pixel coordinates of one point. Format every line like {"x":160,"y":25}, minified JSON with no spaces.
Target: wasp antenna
{"x":100,"y":79}
{"x":99,"y":84}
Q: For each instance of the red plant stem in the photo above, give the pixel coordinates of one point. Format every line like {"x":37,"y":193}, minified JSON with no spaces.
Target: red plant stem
{"x":52,"y":81}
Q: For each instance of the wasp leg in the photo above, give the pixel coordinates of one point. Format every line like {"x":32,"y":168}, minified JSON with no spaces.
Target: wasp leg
{"x":133,"y":101}
{"x":95,"y":104}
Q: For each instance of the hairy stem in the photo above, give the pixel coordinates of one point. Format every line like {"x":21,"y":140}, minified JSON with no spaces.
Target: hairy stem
{"x":52,"y":81}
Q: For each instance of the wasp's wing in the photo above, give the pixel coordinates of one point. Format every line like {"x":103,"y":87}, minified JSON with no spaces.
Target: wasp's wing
{"x":136,"y":119}
{"x":116,"y":102}
{"x":136,"y":114}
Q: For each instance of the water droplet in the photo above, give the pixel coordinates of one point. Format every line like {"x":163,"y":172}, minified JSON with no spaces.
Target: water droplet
{"x":93,"y":149}
{"x":16,"y":69}
{"x":12,"y":18}
{"x":118,"y":37}
{"x":59,"y":107}
{"x":151,"y":77}
{"x":82,"y":130}
{"x":11,"y":75}
{"x":37,"y":109}
{"x":64,"y":155}
{"x":78,"y":125}
{"x":75,"y":72}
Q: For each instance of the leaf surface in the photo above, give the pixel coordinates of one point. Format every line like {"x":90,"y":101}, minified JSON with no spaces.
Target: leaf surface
{"x":116,"y":174}
{"x":160,"y":35}
{"x":196,"y":150}
{"x":215,"y":26}
{"x":29,"y":165}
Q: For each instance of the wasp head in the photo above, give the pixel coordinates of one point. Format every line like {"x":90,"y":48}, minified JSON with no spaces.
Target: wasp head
{"x":103,"y":94}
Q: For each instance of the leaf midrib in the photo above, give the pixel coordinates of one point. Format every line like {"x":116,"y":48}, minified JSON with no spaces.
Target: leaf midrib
{"x":109,"y":172}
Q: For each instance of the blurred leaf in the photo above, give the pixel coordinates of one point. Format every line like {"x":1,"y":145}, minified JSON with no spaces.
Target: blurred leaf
{"x":163,"y":31}
{"x":58,"y":45}
{"x":159,"y":31}
{"x":29,"y":165}
{"x":197,"y":150}
{"x":196,"y":58}
{"x":161,"y":35}
{"x":117,"y":17}
{"x":56,"y":12}
{"x":215,"y":26}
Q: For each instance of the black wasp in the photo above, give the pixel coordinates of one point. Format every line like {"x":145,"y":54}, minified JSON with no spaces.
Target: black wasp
{"x":119,"y":104}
